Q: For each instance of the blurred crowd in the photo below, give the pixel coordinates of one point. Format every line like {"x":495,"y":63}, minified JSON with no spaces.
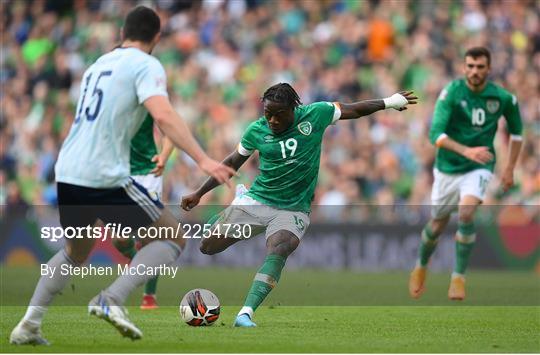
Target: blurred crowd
{"x":221,"y":55}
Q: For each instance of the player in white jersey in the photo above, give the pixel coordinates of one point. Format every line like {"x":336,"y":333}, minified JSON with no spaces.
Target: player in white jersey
{"x":93,"y":172}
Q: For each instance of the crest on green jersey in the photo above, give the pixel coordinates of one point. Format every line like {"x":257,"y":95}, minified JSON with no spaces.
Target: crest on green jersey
{"x":268,"y":138}
{"x":492,"y":105}
{"x":305,"y":128}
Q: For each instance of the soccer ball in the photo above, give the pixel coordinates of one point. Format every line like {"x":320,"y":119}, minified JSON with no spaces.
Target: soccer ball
{"x":199,"y":307}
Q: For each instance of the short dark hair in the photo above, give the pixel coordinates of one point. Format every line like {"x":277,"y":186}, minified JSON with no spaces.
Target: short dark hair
{"x":282,"y":93}
{"x":476,"y":52}
{"x":141,"y":24}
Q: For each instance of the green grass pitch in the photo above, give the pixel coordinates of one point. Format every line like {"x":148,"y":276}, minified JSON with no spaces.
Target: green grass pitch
{"x":309,"y":311}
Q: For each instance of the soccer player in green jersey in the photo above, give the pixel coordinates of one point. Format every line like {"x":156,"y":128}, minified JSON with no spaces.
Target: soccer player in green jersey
{"x":464,"y":126}
{"x":146,"y":169}
{"x":288,"y":138}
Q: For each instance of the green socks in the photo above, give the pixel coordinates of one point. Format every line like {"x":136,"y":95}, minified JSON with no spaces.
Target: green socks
{"x":465,"y":240}
{"x":126,"y":247}
{"x":151,"y":286}
{"x":427,"y":245}
{"x":265,"y":280}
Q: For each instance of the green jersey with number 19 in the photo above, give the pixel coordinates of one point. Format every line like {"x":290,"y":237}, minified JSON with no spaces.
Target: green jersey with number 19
{"x":471,"y":119}
{"x":289,"y":161}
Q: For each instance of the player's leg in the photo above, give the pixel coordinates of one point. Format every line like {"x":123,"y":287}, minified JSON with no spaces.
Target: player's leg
{"x":74,"y":253}
{"x":239,"y":213}
{"x":473,"y":188}
{"x":444,"y":200}
{"x":430,"y":238}
{"x":133,"y":207}
{"x":216,"y":243}
{"x":279,"y":245}
{"x":428,"y":243}
{"x":154,"y":186}
{"x":158,"y":252}
{"x":126,"y":246}
{"x":108,"y":304}
{"x":465,"y":240}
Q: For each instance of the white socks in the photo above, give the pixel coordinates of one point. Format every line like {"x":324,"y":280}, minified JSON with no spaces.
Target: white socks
{"x":47,"y":288}
{"x":246,"y":310}
{"x":152,"y":255}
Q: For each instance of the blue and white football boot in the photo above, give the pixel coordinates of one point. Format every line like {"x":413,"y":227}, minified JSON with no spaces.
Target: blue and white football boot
{"x":103,"y":307}
{"x":244,"y":321}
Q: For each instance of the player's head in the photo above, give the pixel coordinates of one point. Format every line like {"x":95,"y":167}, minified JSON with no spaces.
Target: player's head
{"x":279,"y":102}
{"x":142,"y":24}
{"x":477,"y":66}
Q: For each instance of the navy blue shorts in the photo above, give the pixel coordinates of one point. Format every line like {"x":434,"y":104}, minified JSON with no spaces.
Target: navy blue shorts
{"x":130,"y":205}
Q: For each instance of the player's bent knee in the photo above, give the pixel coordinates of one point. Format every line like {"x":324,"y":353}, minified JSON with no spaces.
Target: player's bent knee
{"x":216,"y":245}
{"x":438,"y":225}
{"x":282,"y":243}
{"x":207,"y":248}
{"x":468,"y":218}
{"x":466,"y":213}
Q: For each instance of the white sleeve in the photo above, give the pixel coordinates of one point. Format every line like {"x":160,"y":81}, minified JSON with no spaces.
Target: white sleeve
{"x":243,"y":151}
{"x":150,"y":80}
{"x":516,"y":137}
{"x":337,"y":112}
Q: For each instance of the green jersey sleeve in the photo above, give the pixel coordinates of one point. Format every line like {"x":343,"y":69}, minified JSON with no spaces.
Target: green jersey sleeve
{"x":248,"y":143}
{"x":512,"y":115}
{"x":442,"y":114}
{"x":326,"y":113}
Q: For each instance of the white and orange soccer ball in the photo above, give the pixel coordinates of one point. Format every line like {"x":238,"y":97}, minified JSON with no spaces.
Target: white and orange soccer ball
{"x":199,"y":307}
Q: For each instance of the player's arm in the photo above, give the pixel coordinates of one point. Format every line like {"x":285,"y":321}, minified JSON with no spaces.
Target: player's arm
{"x":515,"y":128}
{"x":358,"y":109}
{"x":174,"y":127}
{"x":438,"y":137}
{"x":480,"y":155}
{"x":235,"y":160}
{"x":160,"y":159}
{"x":507,"y":178}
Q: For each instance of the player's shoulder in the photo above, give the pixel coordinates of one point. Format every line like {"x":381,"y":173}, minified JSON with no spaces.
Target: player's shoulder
{"x":450,"y":89}
{"x":257,"y":125}
{"x":456,"y":84}
{"x":316,"y":106}
{"x":128,"y":59}
{"x":142,"y":60}
{"x":498,"y":90}
{"x":315,"y":110}
{"x":134,"y":58}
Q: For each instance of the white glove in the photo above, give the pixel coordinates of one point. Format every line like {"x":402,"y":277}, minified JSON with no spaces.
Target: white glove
{"x":395,"y":101}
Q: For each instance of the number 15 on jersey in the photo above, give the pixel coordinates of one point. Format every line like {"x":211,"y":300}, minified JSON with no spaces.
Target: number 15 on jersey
{"x":90,"y":116}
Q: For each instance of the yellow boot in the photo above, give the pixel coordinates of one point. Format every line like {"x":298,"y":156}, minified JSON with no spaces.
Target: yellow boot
{"x":456,"y":291}
{"x":417,"y":281}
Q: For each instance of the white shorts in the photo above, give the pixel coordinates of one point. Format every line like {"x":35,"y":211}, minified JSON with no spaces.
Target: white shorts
{"x":263,"y":218}
{"x":153,"y":184}
{"x":449,"y":189}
